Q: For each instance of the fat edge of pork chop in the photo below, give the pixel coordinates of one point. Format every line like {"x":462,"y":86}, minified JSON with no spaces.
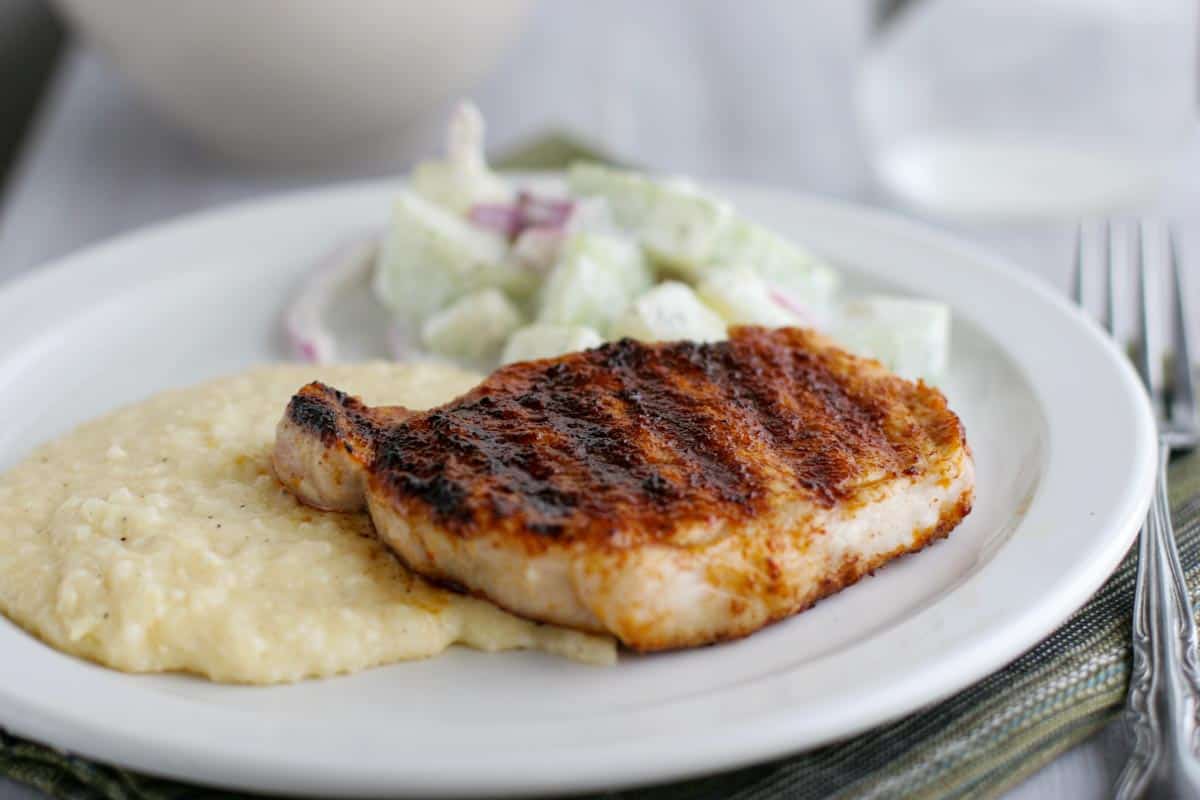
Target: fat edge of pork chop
{"x":672,"y":494}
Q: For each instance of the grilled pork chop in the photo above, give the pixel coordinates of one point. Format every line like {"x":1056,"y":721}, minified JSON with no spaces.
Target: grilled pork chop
{"x":671,"y":494}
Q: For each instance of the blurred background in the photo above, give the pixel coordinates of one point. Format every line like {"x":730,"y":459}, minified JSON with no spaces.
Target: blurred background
{"x":1001,"y":120}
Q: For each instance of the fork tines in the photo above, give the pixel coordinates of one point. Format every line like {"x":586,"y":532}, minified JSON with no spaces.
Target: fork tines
{"x":1151,"y":253}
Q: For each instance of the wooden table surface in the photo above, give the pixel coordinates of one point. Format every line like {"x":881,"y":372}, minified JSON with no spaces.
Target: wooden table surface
{"x":698,"y":87}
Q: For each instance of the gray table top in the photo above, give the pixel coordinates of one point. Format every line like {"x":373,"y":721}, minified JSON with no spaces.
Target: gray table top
{"x":710,"y":103}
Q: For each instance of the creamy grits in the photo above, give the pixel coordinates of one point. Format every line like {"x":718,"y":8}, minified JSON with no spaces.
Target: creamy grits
{"x":157,"y":539}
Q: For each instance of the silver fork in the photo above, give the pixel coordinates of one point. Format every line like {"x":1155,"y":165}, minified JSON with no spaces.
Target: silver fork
{"x":1164,"y":685}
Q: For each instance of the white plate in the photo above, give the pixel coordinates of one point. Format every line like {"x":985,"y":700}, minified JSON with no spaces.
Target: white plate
{"x":1061,"y":432}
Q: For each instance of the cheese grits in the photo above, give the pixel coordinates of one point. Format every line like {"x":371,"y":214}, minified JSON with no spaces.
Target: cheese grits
{"x":157,"y":539}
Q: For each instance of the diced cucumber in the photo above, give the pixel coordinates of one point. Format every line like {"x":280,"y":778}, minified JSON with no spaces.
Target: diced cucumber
{"x":690,"y":233}
{"x":456,"y":188}
{"x":462,"y":178}
{"x":668,"y":312}
{"x":431,"y":257}
{"x":778,"y":261}
{"x":910,"y":337}
{"x":678,"y":224}
{"x":595,"y":279}
{"x":630,"y":196}
{"x":537,"y":249}
{"x":473,"y":329}
{"x":593,"y":214}
{"x":544,"y":340}
{"x":741,"y":297}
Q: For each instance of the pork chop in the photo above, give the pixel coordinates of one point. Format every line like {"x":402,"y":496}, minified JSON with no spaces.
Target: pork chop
{"x":672,"y":494}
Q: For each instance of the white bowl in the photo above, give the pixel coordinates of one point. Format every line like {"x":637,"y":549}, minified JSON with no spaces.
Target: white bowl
{"x":307,"y":81}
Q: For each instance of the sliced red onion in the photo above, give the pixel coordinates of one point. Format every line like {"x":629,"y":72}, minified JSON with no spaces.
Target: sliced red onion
{"x":501,"y":218}
{"x":543,"y":212}
{"x":528,"y":212}
{"x":302,"y":321}
{"x":790,"y":304}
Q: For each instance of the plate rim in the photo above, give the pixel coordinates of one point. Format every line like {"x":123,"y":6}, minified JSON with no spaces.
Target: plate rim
{"x":145,"y":753}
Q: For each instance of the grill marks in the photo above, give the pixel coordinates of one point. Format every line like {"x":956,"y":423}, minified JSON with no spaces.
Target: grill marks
{"x":828,"y":431}
{"x":674,"y":412}
{"x":595,"y":447}
{"x":649,"y":438}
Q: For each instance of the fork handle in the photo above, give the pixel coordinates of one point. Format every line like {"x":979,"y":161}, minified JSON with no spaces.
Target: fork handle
{"x":1164,"y":688}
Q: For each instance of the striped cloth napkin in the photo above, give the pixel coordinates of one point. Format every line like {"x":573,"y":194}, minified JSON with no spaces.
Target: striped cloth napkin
{"x":976,"y":744}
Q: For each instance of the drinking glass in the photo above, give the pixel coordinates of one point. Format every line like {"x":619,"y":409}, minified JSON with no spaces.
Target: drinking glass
{"x":1027,"y":108}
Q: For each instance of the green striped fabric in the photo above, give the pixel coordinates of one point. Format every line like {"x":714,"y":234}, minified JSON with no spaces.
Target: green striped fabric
{"x":976,"y":744}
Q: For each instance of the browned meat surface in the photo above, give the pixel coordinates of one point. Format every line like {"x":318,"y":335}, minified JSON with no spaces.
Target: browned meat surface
{"x":673,"y":494}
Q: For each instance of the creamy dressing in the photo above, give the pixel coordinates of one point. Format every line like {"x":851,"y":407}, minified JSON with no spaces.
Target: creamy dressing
{"x":157,"y":539}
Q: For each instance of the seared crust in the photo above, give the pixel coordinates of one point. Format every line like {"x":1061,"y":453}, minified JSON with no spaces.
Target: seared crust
{"x":325,"y":444}
{"x":631,"y":441}
{"x":332,"y":416}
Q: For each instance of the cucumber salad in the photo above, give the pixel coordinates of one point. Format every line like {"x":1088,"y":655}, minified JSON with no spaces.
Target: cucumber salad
{"x":484,"y":270}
